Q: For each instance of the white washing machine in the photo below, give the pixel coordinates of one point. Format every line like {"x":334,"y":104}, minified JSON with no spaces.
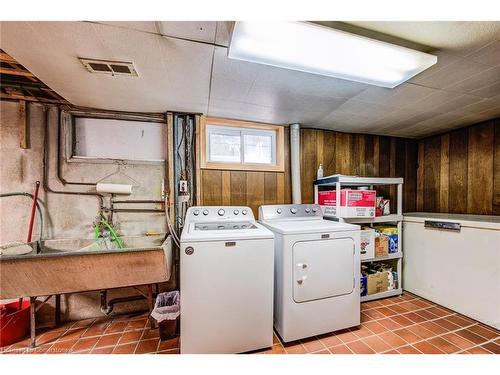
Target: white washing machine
{"x":317,"y":271}
{"x":226,"y":281}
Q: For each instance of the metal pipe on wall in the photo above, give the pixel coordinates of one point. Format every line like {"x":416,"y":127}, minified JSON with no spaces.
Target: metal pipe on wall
{"x":45,"y":165}
{"x":295,"y":162}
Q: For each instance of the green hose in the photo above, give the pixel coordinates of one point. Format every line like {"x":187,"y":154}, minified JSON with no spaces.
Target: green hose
{"x":112,"y":231}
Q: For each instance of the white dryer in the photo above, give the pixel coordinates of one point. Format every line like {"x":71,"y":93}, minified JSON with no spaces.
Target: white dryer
{"x":226,"y":281}
{"x":317,"y":271}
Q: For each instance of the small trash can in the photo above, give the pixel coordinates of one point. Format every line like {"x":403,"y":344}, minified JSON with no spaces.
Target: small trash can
{"x":166,"y":312}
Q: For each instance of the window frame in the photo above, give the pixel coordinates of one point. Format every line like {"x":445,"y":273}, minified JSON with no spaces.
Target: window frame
{"x":67,"y":141}
{"x":245,"y":128}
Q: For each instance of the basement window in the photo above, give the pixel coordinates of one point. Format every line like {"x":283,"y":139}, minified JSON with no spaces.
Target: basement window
{"x":238,"y":145}
{"x":96,"y":138}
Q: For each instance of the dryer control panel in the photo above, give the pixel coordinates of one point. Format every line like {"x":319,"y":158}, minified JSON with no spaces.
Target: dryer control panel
{"x":219,"y":213}
{"x":289,"y":211}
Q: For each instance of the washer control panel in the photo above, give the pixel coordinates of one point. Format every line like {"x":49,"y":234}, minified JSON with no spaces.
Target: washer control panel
{"x":219,"y":213}
{"x":285,"y":211}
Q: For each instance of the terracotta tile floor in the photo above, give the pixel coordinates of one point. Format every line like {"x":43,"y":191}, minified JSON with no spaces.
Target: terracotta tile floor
{"x":399,"y":325}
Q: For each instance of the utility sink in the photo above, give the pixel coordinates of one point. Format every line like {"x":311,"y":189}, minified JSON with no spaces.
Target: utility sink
{"x":70,"y":265}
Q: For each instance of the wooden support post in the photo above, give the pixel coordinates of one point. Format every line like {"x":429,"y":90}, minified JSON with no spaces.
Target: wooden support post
{"x":151,"y":305}
{"x":23,"y":125}
{"x":58,"y":310}
{"x":33,"y":321}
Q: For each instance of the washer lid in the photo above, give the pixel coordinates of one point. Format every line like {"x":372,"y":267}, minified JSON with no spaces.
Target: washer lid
{"x":308,"y":226}
{"x":197,"y":232}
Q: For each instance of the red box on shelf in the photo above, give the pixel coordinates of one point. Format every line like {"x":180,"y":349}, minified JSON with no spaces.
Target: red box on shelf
{"x":353,"y":203}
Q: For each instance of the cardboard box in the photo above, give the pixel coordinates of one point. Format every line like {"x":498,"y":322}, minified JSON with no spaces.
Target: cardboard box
{"x":381,"y":245}
{"x":377,"y":282}
{"x":367,"y":244}
{"x":353,"y":203}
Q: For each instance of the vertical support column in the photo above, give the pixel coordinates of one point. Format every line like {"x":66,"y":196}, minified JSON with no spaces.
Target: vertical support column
{"x":58,"y":310}
{"x":400,"y":235}
{"x":33,"y":321}
{"x":316,"y":194}
{"x":151,"y":305}
{"x":24,"y":135}
{"x":198,"y":152}
{"x":337,"y":202}
{"x":295,"y":163}
{"x":169,"y":170}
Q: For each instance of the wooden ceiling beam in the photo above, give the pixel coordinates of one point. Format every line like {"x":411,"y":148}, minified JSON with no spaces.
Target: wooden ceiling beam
{"x":16,"y":72}
{"x":29,"y":98}
{"x":7,"y":58}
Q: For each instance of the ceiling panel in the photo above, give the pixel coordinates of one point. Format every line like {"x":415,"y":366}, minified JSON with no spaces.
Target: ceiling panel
{"x":460,"y":38}
{"x":488,"y":55}
{"x":146,"y":26}
{"x":476,"y":82}
{"x":173,"y":74}
{"x":195,"y":30}
{"x":450,"y":74}
{"x":196,"y":76}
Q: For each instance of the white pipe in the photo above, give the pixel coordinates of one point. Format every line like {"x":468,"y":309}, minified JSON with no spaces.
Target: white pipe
{"x":295,"y":162}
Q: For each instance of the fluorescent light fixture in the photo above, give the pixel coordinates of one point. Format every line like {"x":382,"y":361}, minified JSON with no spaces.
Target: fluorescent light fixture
{"x":322,"y":50}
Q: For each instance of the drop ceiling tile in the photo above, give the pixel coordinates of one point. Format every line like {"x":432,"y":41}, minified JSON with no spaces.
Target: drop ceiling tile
{"x":459,"y":37}
{"x":488,"y":91}
{"x":450,"y":74}
{"x":404,"y":120}
{"x":444,"y":60}
{"x":173,"y":74}
{"x":488,"y":55}
{"x":479,"y":106}
{"x":229,"y":89}
{"x":146,"y":26}
{"x":398,"y":97}
{"x":474,"y":83}
{"x":241,"y":111}
{"x":231,"y":69}
{"x":195,"y":30}
{"x":437,"y":99}
{"x":284,"y":98}
{"x":308,"y":84}
{"x":365,"y":109}
{"x":457,"y":103}
{"x":223,"y":32}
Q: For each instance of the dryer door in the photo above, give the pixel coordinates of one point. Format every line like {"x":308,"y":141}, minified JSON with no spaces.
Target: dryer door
{"x":323,"y":268}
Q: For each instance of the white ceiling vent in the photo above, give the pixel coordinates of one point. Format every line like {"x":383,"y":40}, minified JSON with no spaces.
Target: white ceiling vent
{"x":121,"y":68}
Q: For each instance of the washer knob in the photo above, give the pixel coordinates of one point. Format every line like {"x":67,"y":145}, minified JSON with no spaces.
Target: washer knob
{"x":205,"y":212}
{"x":244,"y":212}
{"x":308,"y":210}
{"x":196,"y":212}
{"x":315,"y":209}
{"x":293,"y":210}
{"x":221,"y":212}
{"x":236,"y":212}
{"x":279,"y":210}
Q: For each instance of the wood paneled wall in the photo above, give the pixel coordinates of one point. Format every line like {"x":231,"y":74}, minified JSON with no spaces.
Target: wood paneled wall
{"x":343,"y":153}
{"x":359,"y":154}
{"x":459,"y":171}
{"x":247,"y":188}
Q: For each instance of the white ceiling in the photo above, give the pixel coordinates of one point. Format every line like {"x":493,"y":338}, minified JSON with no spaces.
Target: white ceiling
{"x":183,"y":66}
